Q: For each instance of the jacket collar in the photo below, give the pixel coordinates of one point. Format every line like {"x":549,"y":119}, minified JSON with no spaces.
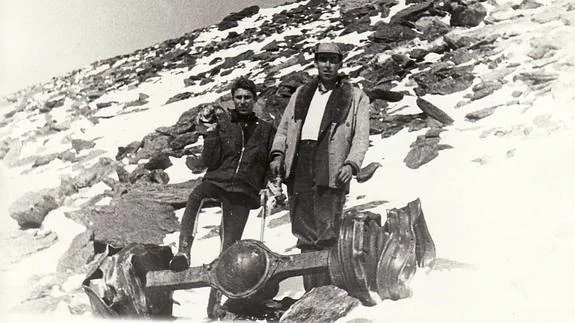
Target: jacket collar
{"x":338,"y":104}
{"x":236,"y":117}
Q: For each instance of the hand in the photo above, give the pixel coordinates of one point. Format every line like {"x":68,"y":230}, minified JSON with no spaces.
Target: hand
{"x":345,"y":174}
{"x":276,"y":166}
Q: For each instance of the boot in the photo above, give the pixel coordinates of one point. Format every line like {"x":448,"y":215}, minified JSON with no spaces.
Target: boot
{"x":181,"y":260}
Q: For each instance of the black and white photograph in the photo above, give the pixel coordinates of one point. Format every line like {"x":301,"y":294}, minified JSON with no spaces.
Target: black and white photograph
{"x":349,"y":161}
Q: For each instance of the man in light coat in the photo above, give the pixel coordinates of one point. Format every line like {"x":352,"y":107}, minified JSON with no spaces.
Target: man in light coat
{"x":320,"y":144}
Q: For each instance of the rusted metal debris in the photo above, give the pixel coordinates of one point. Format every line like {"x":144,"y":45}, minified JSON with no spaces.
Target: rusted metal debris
{"x":368,"y":258}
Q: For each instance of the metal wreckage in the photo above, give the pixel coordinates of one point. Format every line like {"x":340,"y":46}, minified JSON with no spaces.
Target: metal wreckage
{"x":370,"y":260}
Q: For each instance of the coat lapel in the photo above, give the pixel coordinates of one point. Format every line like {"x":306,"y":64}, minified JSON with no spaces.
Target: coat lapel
{"x":303,"y":100}
{"x":337,"y":107}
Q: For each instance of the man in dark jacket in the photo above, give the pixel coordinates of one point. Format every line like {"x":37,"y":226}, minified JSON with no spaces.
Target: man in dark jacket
{"x":236,"y":153}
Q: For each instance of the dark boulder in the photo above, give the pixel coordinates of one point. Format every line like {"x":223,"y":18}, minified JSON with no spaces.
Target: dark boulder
{"x":443,"y":78}
{"x":411,"y":13}
{"x":424,"y":149}
{"x":392,"y":33}
{"x":484,"y":89}
{"x":418,"y":54}
{"x":231,"y":62}
{"x":244,"y":13}
{"x":183,"y":140}
{"x":381,"y":93}
{"x":431,"y":27}
{"x":434,"y":112}
{"x":128,"y":151}
{"x":468,"y":16}
{"x":152,"y":144}
{"x":321,"y":304}
{"x":158,"y":161}
{"x":271,"y":46}
{"x":179,"y":97}
{"x":30,"y":209}
{"x":367,"y":172}
{"x":381,"y":73}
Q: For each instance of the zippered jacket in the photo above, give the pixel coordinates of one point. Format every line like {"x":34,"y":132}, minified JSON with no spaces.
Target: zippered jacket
{"x":236,"y":163}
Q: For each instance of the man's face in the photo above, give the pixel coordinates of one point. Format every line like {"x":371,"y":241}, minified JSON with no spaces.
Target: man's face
{"x":244,"y":101}
{"x":328,"y":66}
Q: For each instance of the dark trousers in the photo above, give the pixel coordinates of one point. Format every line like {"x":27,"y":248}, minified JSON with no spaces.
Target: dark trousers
{"x":235,"y":213}
{"x":315,"y":210}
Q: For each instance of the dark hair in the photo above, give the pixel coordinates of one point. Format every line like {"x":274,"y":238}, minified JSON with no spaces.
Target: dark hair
{"x":244,"y":83}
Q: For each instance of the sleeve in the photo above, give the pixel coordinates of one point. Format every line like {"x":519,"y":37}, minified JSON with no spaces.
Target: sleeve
{"x":279,"y":142}
{"x":360,"y":141}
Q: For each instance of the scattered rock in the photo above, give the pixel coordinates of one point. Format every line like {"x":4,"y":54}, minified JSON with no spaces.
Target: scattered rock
{"x":271,"y":46}
{"x":383,"y":94}
{"x":526,"y":4}
{"x":458,"y":56}
{"x":418,"y":54}
{"x":81,"y":144}
{"x":391,"y":33}
{"x":468,"y":16}
{"x":55,"y":103}
{"x":434,"y":112}
{"x":80,"y":252}
{"x":68,"y":155}
{"x":458,"y":39}
{"x":158,"y":161}
{"x":432,"y":27}
{"x":444,"y":79}
{"x":152,"y":144}
{"x":484,"y":89}
{"x":128,"y":151}
{"x":158,"y":176}
{"x":31,"y":208}
{"x":88,"y":177}
{"x":321,"y":304}
{"x":44,"y":160}
{"x":367,"y":172}
{"x":424,"y":149}
{"x":480,"y":114}
{"x":179,"y":97}
{"x":411,"y":13}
